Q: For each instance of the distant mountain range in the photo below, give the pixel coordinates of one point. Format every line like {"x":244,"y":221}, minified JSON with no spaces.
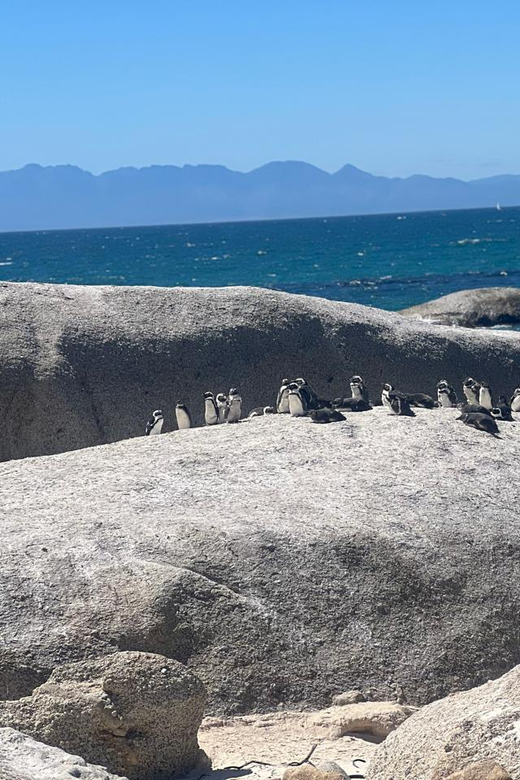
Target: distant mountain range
{"x":65,"y":196}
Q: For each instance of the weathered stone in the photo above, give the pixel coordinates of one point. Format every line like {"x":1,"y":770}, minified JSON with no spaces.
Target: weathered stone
{"x":308,"y":772}
{"x":84,"y":365}
{"x":280,"y":560}
{"x":377,"y":718}
{"x":23,"y":758}
{"x":135,"y":713}
{"x":481,"y":770}
{"x":443,"y":738}
{"x":348,"y":697}
{"x":483,"y":307}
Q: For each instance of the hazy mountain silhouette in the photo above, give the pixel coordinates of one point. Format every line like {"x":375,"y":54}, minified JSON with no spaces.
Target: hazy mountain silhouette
{"x":65,"y":196}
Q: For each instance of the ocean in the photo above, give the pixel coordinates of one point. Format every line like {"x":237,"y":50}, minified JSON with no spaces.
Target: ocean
{"x":390,"y":261}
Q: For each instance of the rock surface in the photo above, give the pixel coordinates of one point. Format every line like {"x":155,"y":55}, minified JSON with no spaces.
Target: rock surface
{"x":23,"y":758}
{"x":472,"y":308}
{"x":284,"y":562}
{"x":81,"y":366}
{"x":135,"y":713}
{"x":481,"y":770}
{"x":377,"y":718}
{"x":482,"y":724}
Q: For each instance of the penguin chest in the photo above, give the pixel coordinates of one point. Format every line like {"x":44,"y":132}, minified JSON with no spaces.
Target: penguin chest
{"x":296,"y":405}
{"x":515,"y":404}
{"x":485,"y":398}
{"x":234,"y":411}
{"x":183,"y":419}
{"x":157,"y":428}
{"x":283,"y":403}
{"x":210,"y":414}
{"x":444,"y":400}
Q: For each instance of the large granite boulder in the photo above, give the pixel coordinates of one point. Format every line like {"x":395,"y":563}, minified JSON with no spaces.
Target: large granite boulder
{"x":282,"y":561}
{"x":87,"y":365}
{"x":24,"y":758}
{"x":483,"y":307}
{"x":467,"y":732}
{"x":135,"y":713}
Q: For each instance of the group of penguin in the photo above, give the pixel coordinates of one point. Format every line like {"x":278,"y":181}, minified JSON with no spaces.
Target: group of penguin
{"x":298,"y":399}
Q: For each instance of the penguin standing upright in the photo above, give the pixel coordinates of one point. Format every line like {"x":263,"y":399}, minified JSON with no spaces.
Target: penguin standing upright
{"x":471,"y":390}
{"x":154,"y":424}
{"x":446,"y":394}
{"x":234,"y":406}
{"x":309,"y":397}
{"x":183,"y":416}
{"x":297,"y":404}
{"x":210,"y":409}
{"x":282,"y":399}
{"x":484,"y":396}
{"x":221,"y":407}
{"x":385,"y":400}
{"x":514,"y":403}
{"x":358,"y":389}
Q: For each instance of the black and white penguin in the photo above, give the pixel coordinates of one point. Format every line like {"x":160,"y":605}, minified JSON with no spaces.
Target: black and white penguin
{"x":210,"y":409}
{"x":385,"y":400}
{"x":260,"y":411}
{"x":297,"y":405}
{"x":282,"y":399}
{"x":309,"y":397}
{"x":446,"y":394}
{"x":482,"y":422}
{"x":502,"y":411}
{"x":234,"y":406}
{"x":473,"y":409}
{"x":221,"y":401}
{"x":471,"y":389}
{"x":514,"y":403}
{"x":358,"y":389}
{"x":351,"y":405}
{"x":421,"y":400}
{"x":154,"y":424}
{"x":399,"y":405}
{"x":484,"y":396}
{"x":183,"y":416}
{"x":326,"y":415}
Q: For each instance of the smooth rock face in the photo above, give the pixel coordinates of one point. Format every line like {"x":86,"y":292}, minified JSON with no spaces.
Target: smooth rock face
{"x":135,"y":713}
{"x":377,"y":718}
{"x":284,"y":562}
{"x":81,"y":366}
{"x":472,"y":308}
{"x":23,"y":758}
{"x":480,"y":725}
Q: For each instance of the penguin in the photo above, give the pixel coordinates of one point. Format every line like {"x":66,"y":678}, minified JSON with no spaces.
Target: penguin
{"x":358,"y":389}
{"x":260,"y":411}
{"x":221,"y":407}
{"x":482,"y":422}
{"x":210,"y":409}
{"x":515,"y":401}
{"x":472,"y":409}
{"x":484,"y":396}
{"x":234,"y":406}
{"x":308,"y":395}
{"x":326,"y":416}
{"x":351,"y":405}
{"x":282,"y":399}
{"x":502,"y":412}
{"x":154,"y":424}
{"x":446,"y":394}
{"x":471,"y":390}
{"x":399,"y":405}
{"x":183,"y":416}
{"x":385,"y":400}
{"x":421,"y":400}
{"x":297,"y":405}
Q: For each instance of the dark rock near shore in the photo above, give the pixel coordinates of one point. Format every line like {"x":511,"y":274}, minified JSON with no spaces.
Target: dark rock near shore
{"x":81,"y":366}
{"x":479,"y":308}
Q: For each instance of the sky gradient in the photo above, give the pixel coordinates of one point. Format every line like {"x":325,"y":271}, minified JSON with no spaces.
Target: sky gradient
{"x":394,"y":87}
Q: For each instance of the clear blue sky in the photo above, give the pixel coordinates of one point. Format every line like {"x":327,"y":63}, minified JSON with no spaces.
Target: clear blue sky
{"x":392,"y":86}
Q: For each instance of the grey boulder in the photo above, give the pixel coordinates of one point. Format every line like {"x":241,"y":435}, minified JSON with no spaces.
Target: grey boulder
{"x":483,"y":307}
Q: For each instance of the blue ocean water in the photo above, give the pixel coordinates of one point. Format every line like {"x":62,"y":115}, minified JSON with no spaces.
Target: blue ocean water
{"x":389,"y":261}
